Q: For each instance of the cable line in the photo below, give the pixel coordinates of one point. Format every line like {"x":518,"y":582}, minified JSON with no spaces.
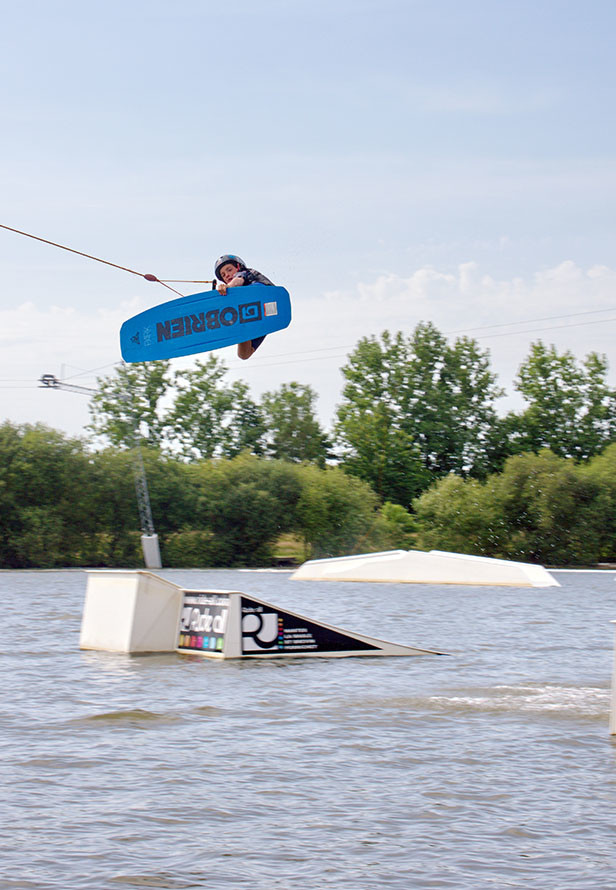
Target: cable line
{"x":557,"y":327}
{"x":148,"y":275}
{"x":506,"y":324}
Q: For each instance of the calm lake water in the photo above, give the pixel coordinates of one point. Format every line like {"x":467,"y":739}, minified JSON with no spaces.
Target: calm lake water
{"x":492,"y":767}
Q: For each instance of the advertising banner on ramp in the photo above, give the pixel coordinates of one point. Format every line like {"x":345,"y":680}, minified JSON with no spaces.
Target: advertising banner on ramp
{"x":203,"y":622}
{"x":267,"y":629}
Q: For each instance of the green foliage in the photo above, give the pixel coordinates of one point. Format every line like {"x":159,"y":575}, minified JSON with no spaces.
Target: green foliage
{"x":415,"y":409}
{"x":400,"y":524}
{"x":572,"y":410}
{"x":192,"y":548}
{"x":448,"y":401}
{"x":393,"y":529}
{"x":595,"y":519}
{"x":458,"y":515}
{"x":209,"y":418}
{"x":45,"y":510}
{"x":228,"y":476}
{"x":172,"y":498}
{"x":375,"y":444}
{"x":38,"y":538}
{"x":126,"y":408}
{"x":293,"y":431}
{"x":62,"y":506}
{"x":115,"y":504}
{"x":246,"y":503}
{"x":194,"y":414}
{"x":539,"y":497}
{"x":334,"y":511}
{"x":536,"y":510}
{"x":245,"y":425}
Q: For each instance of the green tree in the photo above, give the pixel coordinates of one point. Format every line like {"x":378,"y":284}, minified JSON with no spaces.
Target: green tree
{"x":115,"y":502}
{"x":126,"y":408}
{"x":374,"y":443}
{"x":335,"y":511}
{"x":173,"y":499}
{"x":571,"y":409}
{"x":46,"y":514}
{"x":540,"y":499}
{"x":293,"y":431}
{"x":536,"y":510}
{"x":209,"y":418}
{"x":595,"y":518}
{"x":244,"y":424}
{"x":246,"y":503}
{"x":415,"y":409}
{"x":460,"y":516}
{"x":173,"y":495}
{"x":394,"y":528}
{"x":447,"y":400}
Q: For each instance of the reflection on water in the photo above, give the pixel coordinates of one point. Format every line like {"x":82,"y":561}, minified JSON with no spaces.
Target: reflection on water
{"x":491,"y":768}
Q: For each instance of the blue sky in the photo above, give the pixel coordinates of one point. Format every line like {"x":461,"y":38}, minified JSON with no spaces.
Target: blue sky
{"x":389,"y":162}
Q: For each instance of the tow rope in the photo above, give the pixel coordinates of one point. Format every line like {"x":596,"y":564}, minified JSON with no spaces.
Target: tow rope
{"x":148,"y":275}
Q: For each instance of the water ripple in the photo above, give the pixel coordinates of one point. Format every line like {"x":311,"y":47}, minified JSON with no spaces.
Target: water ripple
{"x":490,"y":769}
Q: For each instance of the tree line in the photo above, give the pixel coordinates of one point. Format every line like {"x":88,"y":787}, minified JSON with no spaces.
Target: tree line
{"x":63,"y":504}
{"x":541,"y":508}
{"x":413,"y":409}
{"x":417,"y":456}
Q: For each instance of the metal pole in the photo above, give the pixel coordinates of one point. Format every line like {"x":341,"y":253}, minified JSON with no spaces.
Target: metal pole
{"x":149,"y":538}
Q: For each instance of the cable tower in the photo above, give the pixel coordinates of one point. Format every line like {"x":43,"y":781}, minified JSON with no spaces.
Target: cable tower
{"x":149,"y":538}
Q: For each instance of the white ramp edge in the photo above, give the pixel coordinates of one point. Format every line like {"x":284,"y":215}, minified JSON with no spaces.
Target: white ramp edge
{"x":139,"y":612}
{"x":421,"y":567}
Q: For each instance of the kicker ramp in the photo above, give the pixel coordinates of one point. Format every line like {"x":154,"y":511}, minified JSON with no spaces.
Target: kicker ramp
{"x":138,"y":611}
{"x":419,"y":567}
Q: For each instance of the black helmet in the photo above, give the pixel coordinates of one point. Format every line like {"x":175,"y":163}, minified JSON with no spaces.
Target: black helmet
{"x":227,"y":258}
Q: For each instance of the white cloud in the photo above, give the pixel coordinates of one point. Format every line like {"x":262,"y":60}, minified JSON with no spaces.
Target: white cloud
{"x":61,"y":333}
{"x":475,"y":298}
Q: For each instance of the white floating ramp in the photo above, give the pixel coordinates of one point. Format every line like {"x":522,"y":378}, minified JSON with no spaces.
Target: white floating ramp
{"x":138,"y":611}
{"x":420,"y":567}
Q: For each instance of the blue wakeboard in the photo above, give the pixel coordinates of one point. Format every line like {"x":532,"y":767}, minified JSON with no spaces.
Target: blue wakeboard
{"x":200,"y":322}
